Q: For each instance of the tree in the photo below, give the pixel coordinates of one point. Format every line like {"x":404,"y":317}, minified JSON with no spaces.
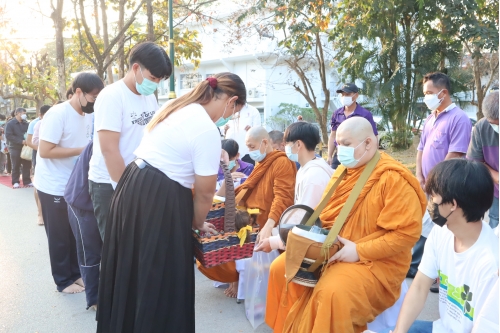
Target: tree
{"x":475,"y":24}
{"x":101,"y":58}
{"x":288,"y":115}
{"x":302,"y":32}
{"x":59,"y":24}
{"x":28,"y":79}
{"x":390,"y":45}
{"x":105,"y":36}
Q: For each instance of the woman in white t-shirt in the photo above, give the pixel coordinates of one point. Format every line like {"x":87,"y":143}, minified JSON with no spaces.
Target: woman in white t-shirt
{"x":147,"y":271}
{"x":66,"y":130}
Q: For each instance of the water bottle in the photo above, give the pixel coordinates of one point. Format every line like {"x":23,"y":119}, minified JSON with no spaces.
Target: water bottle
{"x":315,"y":229}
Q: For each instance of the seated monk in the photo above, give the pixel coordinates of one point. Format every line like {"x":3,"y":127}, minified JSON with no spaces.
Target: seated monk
{"x":270,"y":188}
{"x":365,"y":276}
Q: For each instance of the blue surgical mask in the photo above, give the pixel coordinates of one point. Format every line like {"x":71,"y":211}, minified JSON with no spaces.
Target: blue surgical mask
{"x":256,"y":155}
{"x":495,"y":127}
{"x":147,"y":87}
{"x":291,"y":156}
{"x":346,"y":155}
{"x":231,"y":165}
{"x":223,"y":121}
{"x":2,"y":122}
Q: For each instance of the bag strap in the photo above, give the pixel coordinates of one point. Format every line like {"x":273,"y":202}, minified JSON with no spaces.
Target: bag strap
{"x":346,"y":210}
{"x":312,"y":219}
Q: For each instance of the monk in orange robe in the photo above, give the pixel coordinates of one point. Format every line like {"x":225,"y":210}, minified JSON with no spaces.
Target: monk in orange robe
{"x":270,"y":188}
{"x":364,"y":278}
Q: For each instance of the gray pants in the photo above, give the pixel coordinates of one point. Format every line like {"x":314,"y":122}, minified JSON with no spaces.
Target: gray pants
{"x":3,"y":163}
{"x":101,"y":194}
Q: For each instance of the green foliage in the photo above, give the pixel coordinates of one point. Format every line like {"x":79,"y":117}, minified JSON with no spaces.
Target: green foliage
{"x":288,"y":114}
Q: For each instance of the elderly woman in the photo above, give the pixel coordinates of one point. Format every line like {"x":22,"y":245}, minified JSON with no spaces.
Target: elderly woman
{"x":239,"y":169}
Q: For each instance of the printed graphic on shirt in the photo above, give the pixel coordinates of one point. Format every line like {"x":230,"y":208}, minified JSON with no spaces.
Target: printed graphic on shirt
{"x":458,"y":299}
{"x":143,"y":118}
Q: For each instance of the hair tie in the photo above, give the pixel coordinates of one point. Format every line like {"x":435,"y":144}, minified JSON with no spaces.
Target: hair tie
{"x":212,"y":81}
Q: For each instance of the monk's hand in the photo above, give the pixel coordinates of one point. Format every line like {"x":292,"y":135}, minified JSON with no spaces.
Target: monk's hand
{"x":347,"y":254}
{"x":264,"y":246}
{"x":239,"y":175}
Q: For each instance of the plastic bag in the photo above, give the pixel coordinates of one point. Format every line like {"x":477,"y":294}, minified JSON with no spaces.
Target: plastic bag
{"x":256,"y":277}
{"x":26,"y":153}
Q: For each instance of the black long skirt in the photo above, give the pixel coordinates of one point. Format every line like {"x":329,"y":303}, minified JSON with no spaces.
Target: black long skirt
{"x":147,"y":272}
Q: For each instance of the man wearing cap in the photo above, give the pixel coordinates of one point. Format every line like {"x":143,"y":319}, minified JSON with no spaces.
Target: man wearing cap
{"x":349,"y":95}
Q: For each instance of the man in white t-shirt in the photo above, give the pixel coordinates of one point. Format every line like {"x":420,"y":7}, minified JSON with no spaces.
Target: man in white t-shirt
{"x":238,"y":127}
{"x":300,"y":140}
{"x":462,"y":252}
{"x":122,"y":111}
{"x":66,"y":130}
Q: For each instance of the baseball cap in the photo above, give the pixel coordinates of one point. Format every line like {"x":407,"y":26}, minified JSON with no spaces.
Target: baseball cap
{"x":348,"y":88}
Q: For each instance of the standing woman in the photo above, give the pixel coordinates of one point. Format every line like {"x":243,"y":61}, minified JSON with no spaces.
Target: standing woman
{"x":66,"y":131}
{"x":147,"y":271}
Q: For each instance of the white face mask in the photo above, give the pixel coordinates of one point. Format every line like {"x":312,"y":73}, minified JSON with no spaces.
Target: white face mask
{"x":23,"y":117}
{"x":432,"y":101}
{"x":346,"y":100}
{"x":495,"y":127}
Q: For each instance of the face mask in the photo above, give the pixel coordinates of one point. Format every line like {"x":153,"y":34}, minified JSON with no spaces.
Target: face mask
{"x":23,"y":117}
{"x":346,"y":155}
{"x":433,"y":101}
{"x":147,"y":87}
{"x":346,"y":100}
{"x":223,"y":121}
{"x":495,"y":127}
{"x":2,"y":122}
{"x":436,"y":217}
{"x":256,"y":155}
{"x":291,"y":156}
{"x":231,"y":165}
{"x":89,"y":108}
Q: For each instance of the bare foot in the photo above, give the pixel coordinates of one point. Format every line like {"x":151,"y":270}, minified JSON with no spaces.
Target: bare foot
{"x":232,"y":290}
{"x":80,"y":283}
{"x":73,"y":289}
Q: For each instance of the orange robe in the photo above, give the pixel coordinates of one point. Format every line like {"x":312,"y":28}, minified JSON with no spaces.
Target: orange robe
{"x":350,"y":295}
{"x":271,"y":188}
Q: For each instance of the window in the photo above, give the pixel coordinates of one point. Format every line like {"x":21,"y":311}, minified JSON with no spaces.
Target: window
{"x":189,"y":81}
{"x":261,"y":111}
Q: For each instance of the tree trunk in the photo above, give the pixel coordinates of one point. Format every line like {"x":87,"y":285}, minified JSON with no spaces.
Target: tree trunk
{"x":106,"y":39}
{"x":151,"y":31}
{"x":96,"y":17}
{"x":61,"y":67}
{"x":479,"y":87}
{"x":121,"y":42}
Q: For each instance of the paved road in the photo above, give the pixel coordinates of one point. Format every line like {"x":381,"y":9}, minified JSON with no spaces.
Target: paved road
{"x":30,"y":303}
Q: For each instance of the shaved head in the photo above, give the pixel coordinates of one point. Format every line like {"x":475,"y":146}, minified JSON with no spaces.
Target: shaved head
{"x":357,"y":133}
{"x":258,"y":138}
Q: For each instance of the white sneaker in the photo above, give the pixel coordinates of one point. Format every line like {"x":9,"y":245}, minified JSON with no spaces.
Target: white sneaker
{"x":29,"y":185}
{"x":16,"y":185}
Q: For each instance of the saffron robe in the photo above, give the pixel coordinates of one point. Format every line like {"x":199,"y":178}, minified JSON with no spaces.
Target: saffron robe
{"x":350,"y":295}
{"x":270,"y":188}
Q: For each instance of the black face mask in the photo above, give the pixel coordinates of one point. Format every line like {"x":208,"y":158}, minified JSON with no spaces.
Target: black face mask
{"x":436,"y":217}
{"x":89,"y":108}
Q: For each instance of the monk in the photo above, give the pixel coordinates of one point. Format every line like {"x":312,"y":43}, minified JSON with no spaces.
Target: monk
{"x":270,"y":188}
{"x":364,"y":278}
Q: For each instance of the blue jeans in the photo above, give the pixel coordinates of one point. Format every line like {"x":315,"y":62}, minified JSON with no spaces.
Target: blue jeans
{"x":419,"y":326}
{"x":494,"y":213}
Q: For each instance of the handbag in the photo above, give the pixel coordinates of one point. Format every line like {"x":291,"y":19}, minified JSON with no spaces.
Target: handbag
{"x":27,"y":153}
{"x":306,"y":253}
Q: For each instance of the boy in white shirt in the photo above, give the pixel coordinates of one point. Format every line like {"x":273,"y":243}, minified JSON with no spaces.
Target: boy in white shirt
{"x":122,"y":111}
{"x":300,"y":140}
{"x":462,"y":252}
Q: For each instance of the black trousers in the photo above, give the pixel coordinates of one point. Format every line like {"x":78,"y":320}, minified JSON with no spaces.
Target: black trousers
{"x":335,"y":161}
{"x":88,"y":248}
{"x":247,"y":159}
{"x":17,"y":162}
{"x":62,"y":244}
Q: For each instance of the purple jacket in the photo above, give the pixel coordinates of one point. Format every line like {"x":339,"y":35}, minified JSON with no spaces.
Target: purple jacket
{"x":76,"y":193}
{"x":245,"y":168}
